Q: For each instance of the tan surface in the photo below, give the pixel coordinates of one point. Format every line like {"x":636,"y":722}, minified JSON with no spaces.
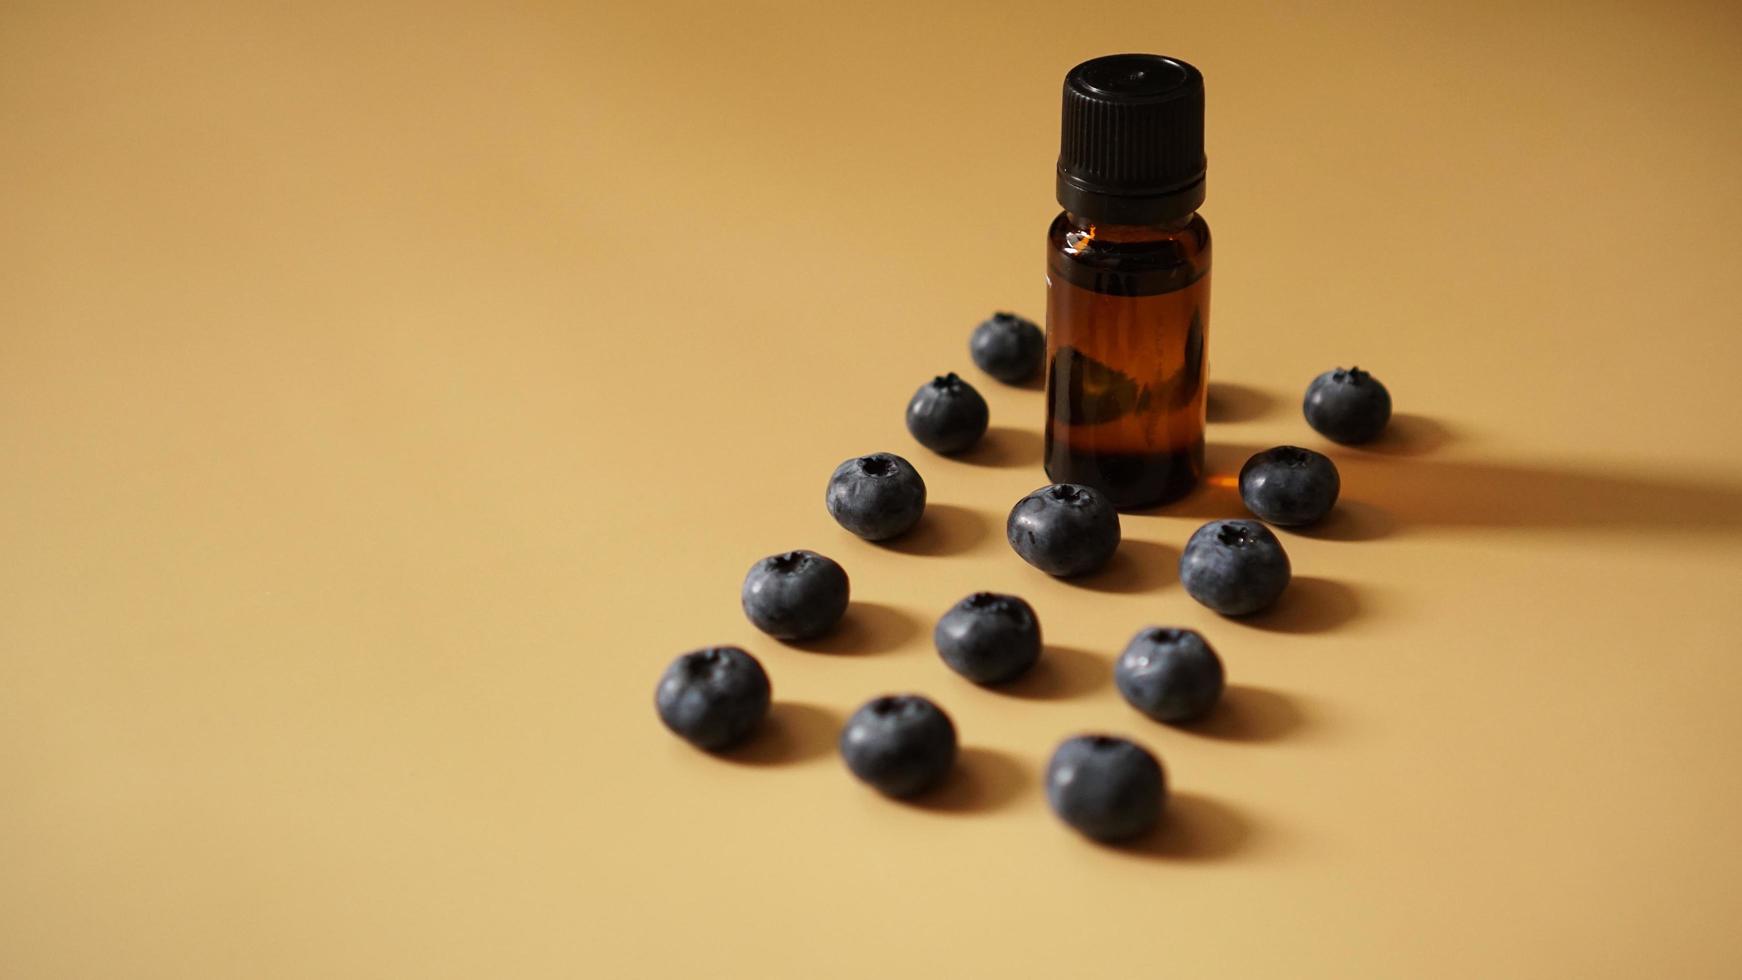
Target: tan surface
{"x":387,"y":393}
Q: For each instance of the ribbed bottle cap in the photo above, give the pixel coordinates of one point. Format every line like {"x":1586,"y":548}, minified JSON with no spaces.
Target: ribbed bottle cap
{"x":1132,"y":145}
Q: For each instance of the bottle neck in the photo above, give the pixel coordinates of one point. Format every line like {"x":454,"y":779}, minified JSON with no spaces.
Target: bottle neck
{"x":1087,"y":229}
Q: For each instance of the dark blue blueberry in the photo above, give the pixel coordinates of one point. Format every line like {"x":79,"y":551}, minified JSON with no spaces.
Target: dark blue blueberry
{"x":1107,"y":788}
{"x":795,"y":596}
{"x":1234,"y":567}
{"x":1289,"y":486}
{"x":1065,"y":529}
{"x":1008,"y":347}
{"x":876,"y":496}
{"x":901,"y":744}
{"x":989,"y":638}
{"x":713,"y":697}
{"x":1347,"y":406}
{"x":1171,"y":675}
{"x":947,"y":415}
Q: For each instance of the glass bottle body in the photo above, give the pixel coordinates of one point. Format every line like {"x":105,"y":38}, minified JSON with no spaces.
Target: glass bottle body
{"x":1127,"y":321}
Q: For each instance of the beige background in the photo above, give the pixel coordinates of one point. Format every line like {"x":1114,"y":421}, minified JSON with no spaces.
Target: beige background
{"x":388,"y":392}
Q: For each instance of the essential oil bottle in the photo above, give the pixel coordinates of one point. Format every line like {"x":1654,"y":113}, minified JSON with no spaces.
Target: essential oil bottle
{"x":1128,"y":282}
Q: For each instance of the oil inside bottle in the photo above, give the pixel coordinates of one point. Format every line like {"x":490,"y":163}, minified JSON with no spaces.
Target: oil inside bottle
{"x":1127,"y":321}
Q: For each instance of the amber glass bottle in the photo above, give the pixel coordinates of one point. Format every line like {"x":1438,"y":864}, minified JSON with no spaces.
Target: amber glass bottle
{"x":1128,"y":282}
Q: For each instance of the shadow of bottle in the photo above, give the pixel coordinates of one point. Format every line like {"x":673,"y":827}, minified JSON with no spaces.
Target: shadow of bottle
{"x":1420,"y":492}
{"x":1227,"y":401}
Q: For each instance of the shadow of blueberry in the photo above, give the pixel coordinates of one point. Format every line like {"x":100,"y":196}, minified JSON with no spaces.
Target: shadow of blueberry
{"x":1005,"y":446}
{"x":1308,"y":605}
{"x":1247,"y":714}
{"x":1192,"y":828}
{"x":792,"y":732}
{"x":1349,"y":520}
{"x":944,"y":529}
{"x":1138,"y":566}
{"x":1408,"y":434}
{"x":982,"y":780}
{"x":1061,"y":672}
{"x":868,"y":627}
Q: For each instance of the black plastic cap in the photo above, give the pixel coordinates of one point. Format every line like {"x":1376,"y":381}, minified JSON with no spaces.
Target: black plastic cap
{"x":1132,"y":145}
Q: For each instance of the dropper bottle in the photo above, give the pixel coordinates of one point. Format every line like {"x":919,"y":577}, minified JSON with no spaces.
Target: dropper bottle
{"x":1128,"y":282}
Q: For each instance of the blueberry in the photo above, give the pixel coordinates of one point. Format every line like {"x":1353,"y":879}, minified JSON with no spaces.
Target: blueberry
{"x":1107,"y":788}
{"x":712,"y":697}
{"x":989,"y":638}
{"x":901,"y":744}
{"x":1289,"y":486}
{"x":795,"y":596}
{"x":1065,"y":529}
{"x":946,"y":414}
{"x":1234,"y":567}
{"x":1171,"y":675}
{"x":1347,"y":406}
{"x":876,"y":496}
{"x":1008,"y":347}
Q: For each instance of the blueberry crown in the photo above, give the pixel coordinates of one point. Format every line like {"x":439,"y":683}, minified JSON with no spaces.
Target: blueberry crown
{"x":894,"y":704}
{"x":879,"y":465}
{"x":1292,"y":456}
{"x":1353,"y":376}
{"x":988,"y":600}
{"x":1235,"y":535}
{"x":1067,"y":493}
{"x":704,"y":661}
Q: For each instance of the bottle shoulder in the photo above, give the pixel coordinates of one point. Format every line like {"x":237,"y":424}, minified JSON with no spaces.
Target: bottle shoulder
{"x":1129,"y":260}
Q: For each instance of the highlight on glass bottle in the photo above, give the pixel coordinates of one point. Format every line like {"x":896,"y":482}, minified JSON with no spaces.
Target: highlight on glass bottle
{"x":1128,"y":265}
